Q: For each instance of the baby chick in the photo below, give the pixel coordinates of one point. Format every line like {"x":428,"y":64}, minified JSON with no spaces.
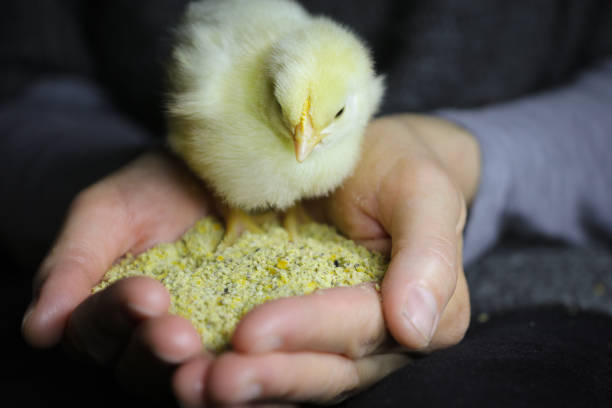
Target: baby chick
{"x":268,"y":104}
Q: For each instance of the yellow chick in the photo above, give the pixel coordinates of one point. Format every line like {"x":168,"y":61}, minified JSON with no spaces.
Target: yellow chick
{"x":268,"y":104}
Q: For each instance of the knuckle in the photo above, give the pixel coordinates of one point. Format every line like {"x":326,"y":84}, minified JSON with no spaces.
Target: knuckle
{"x":359,"y":348}
{"x":423,"y":171}
{"x":355,"y":349}
{"x":440,"y":256}
{"x":442,"y":251}
{"x":418,"y":174}
{"x":80,"y":255}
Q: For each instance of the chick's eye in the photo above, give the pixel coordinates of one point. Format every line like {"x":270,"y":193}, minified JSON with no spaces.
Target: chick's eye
{"x":340,"y":112}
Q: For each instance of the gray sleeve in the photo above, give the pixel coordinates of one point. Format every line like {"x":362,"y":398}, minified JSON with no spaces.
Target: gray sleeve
{"x":546,"y":165}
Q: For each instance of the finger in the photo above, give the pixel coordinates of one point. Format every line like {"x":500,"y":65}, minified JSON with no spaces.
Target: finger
{"x":153,"y":352}
{"x":319,"y":377}
{"x":423,"y":215}
{"x":355,"y":213}
{"x":351,"y":213}
{"x":188,"y":381}
{"x":95,"y":234}
{"x":346,"y":321}
{"x":105,"y":222}
{"x":100,"y":327}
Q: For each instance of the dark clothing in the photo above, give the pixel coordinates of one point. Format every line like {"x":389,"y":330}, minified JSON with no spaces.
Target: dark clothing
{"x":523,"y":358}
{"x":81,"y":94}
{"x":435,"y":53}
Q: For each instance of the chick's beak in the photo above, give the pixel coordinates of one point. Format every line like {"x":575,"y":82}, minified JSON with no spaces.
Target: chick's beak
{"x":305,"y":138}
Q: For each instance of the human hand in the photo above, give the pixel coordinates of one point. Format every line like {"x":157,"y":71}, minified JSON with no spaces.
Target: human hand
{"x":337,"y":338}
{"x":154,"y":199}
{"x":126,"y":326}
{"x":407,"y":198}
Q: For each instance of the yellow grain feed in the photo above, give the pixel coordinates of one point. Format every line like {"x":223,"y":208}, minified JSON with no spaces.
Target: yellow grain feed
{"x":214,"y":286}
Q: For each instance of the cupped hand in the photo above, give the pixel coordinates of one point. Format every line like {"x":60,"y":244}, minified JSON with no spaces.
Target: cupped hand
{"x":154,"y":199}
{"x":408,"y":198}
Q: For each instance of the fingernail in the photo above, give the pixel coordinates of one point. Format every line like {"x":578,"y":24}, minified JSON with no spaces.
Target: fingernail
{"x":421,"y":312}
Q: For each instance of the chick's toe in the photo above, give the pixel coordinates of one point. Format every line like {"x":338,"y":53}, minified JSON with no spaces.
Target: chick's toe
{"x":236,"y":222}
{"x":294,"y":217}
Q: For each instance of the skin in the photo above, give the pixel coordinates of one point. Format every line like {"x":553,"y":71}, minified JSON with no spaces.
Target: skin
{"x":408,"y":196}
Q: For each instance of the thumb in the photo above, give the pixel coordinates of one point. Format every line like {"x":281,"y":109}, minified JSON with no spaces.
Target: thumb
{"x":425,"y":221}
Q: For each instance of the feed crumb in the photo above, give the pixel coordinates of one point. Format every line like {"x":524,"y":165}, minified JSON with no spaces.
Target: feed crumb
{"x":482,"y":317}
{"x":215,"y":285}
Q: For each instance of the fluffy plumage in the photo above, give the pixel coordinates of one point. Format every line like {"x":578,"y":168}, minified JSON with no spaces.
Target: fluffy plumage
{"x":269,"y":104}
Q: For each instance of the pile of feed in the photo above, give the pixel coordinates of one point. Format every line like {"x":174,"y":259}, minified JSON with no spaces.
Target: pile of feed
{"x":214,"y":286}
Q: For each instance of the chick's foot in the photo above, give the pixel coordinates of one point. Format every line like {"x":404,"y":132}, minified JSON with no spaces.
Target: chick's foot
{"x":294,"y":217}
{"x":236,"y":222}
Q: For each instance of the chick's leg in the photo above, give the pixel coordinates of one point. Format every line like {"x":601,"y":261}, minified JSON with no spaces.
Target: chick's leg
{"x":294,"y":217}
{"x":236,"y":222}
